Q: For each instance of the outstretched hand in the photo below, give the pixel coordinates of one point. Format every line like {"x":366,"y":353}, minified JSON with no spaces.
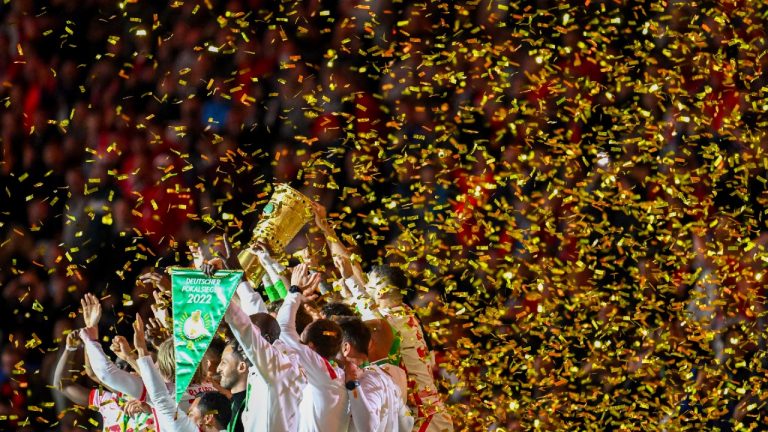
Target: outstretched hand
{"x":91,"y":310}
{"x":306,"y":281}
{"x":122,"y":348}
{"x":160,"y":281}
{"x":73,"y":341}
{"x":139,"y":339}
{"x":156,"y":333}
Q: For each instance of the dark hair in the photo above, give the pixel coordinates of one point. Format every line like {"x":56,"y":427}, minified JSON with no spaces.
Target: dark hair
{"x":239,"y":351}
{"x":303,"y":319}
{"x":325,"y":335}
{"x":215,"y":403}
{"x":217,"y":346}
{"x":268,"y":326}
{"x":334,"y":309}
{"x":355,"y":332}
{"x":394,"y":275}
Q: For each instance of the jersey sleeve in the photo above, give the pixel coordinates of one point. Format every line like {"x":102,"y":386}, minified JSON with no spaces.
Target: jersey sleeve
{"x":365,"y":404}
{"x":319,"y":370}
{"x":164,"y":404}
{"x":108,"y":373}
{"x":364,"y":303}
{"x":250,"y":300}
{"x":266,"y":358}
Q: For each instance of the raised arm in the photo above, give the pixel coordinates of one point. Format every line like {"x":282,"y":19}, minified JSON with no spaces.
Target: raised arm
{"x":250,"y":301}
{"x":107,"y":372}
{"x":122,"y":350}
{"x":339,"y":253}
{"x":273,"y":268}
{"x":163,"y":402}
{"x":63,"y":378}
{"x":367,"y":307}
{"x":286,"y":315}
{"x":319,"y":371}
{"x":286,"y":318}
{"x":265,"y":357}
{"x":103,"y":368}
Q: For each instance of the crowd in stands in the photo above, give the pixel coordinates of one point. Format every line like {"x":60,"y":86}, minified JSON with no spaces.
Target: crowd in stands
{"x":488,"y":148}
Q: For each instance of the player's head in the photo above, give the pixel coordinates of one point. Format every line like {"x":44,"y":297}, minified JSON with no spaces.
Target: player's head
{"x":334,"y":309}
{"x":382,"y":339}
{"x":166,"y":360}
{"x":233,"y":367}
{"x":386,"y":282}
{"x":267,"y":325}
{"x":324,"y":337}
{"x":210,"y":411}
{"x":211,"y":359}
{"x":355,"y":336}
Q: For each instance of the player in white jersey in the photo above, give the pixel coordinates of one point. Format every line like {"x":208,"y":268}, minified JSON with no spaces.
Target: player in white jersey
{"x":109,"y":404}
{"x":379,"y":295}
{"x":209,"y":412}
{"x":323,"y":407}
{"x":124,"y":382}
{"x":275,"y":383}
{"x":251,"y":301}
{"x":384,"y":351}
{"x":374,"y":399}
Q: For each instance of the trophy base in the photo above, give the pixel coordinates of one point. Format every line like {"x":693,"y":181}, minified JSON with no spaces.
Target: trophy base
{"x":254,"y":272}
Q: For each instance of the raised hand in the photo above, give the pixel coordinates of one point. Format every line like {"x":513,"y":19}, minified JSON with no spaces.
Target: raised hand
{"x":344,"y":264}
{"x":157,"y":280}
{"x":212,"y":266}
{"x":156,"y":332}
{"x":306,"y":281}
{"x":139,"y":339}
{"x":91,"y":310}
{"x":122,"y":348}
{"x":160,"y":307}
{"x":135,"y":407}
{"x":198,"y":259}
{"x":299,"y":275}
{"x":310,"y":291}
{"x":73,"y":341}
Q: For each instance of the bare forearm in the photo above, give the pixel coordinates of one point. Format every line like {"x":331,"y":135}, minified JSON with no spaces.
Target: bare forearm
{"x":61,"y":366}
{"x":64,"y":381}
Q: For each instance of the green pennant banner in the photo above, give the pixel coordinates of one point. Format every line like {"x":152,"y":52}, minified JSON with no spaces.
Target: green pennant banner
{"x":199,"y":303}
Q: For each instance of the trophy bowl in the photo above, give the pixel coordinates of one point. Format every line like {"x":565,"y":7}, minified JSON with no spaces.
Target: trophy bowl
{"x":286,"y":213}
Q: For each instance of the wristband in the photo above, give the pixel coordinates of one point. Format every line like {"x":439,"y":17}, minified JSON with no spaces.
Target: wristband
{"x":295,"y":289}
{"x":72,"y":349}
{"x":351,"y":385}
